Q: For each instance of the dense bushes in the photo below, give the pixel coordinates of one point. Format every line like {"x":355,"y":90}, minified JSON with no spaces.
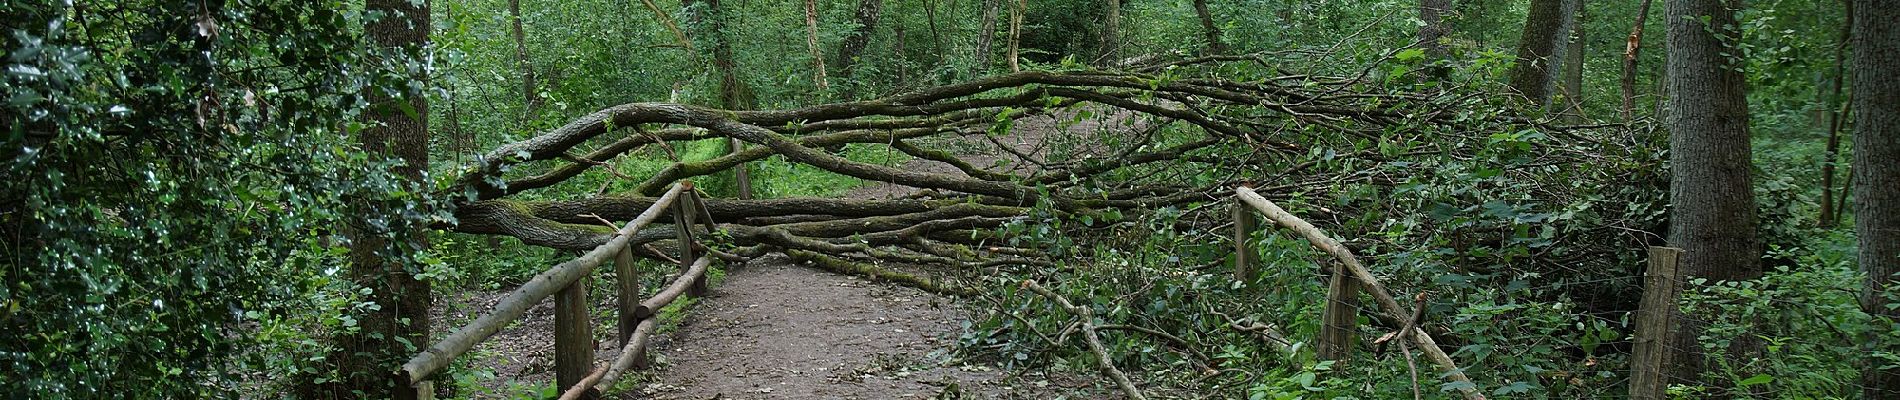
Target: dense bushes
{"x":166,"y":162}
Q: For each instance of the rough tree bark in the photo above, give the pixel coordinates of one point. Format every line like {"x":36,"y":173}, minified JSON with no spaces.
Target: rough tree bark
{"x":1432,"y":35}
{"x":860,"y":37}
{"x":1877,"y":172}
{"x":987,"y":33}
{"x":1711,"y":198}
{"x":1546,"y":32}
{"x":365,"y":358}
{"x":811,"y":44}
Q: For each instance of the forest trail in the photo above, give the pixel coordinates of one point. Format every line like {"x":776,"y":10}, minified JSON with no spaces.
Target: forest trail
{"x":777,"y":330}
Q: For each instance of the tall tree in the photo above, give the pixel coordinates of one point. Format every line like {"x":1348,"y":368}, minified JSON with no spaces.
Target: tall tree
{"x":860,"y":37}
{"x":1712,"y":203}
{"x":1546,"y":32}
{"x":1111,"y":31}
{"x":531,"y":97}
{"x":1829,"y":213}
{"x":1212,"y":31}
{"x":1877,"y":174}
{"x":936,"y":38}
{"x":811,"y":44}
{"x":1432,"y":33}
{"x":398,"y":127}
{"x":734,"y":94}
{"x":987,"y":32}
{"x":1573,"y":71}
{"x":1016,"y":34}
{"x":1631,"y":49}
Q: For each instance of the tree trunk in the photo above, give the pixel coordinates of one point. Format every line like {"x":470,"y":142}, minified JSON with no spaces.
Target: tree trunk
{"x":1573,"y":72}
{"x":1111,"y":32}
{"x":1877,"y":173}
{"x":734,"y":94}
{"x":1208,"y":27}
{"x":1835,"y":120}
{"x":859,"y":38}
{"x":531,"y":99}
{"x":1016,"y":34}
{"x":1546,"y":32}
{"x":1432,"y":35}
{"x":988,"y":32}
{"x":811,"y":44}
{"x":1631,"y":50}
{"x":1711,"y":198}
{"x":936,"y":38}
{"x":365,"y":357}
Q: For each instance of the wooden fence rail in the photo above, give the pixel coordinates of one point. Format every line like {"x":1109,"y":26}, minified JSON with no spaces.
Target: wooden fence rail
{"x":1370,"y":284}
{"x":575,"y":371}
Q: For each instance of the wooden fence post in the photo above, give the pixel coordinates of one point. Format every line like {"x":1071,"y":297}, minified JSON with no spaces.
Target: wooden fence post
{"x":424,"y":390}
{"x":627,"y":288}
{"x":740,"y":175}
{"x":573,"y":336}
{"x":1340,"y":319}
{"x":684,"y":213}
{"x":1661,"y":286}
{"x":1243,"y":254}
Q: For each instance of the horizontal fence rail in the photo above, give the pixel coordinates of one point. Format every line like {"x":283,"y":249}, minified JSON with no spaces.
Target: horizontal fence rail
{"x":576,"y":375}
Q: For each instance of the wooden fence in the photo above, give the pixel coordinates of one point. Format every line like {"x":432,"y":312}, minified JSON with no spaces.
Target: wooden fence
{"x":1348,"y":279}
{"x":1662,"y":287}
{"x":575,"y":372}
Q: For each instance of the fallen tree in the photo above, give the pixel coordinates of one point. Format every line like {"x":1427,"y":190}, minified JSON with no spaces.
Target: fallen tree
{"x":1092,"y":149}
{"x":1261,"y":121}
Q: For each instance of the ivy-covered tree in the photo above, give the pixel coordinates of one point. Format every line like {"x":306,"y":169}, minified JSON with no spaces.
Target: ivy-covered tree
{"x":173,"y":170}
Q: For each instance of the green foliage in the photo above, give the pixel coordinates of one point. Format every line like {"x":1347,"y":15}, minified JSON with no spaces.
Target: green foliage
{"x":1781,"y":319}
{"x":175,"y":170}
{"x":179,"y":174}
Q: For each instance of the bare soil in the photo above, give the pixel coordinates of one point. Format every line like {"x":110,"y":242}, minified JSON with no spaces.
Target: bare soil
{"x":781,"y":331}
{"x":775,"y":330}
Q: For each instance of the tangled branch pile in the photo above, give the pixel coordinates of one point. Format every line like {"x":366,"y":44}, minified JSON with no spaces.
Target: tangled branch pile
{"x":1183,"y":140}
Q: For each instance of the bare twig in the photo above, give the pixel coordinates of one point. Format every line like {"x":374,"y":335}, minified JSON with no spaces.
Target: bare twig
{"x":1179,"y":343}
{"x":1089,"y":335}
{"x":1378,"y":291}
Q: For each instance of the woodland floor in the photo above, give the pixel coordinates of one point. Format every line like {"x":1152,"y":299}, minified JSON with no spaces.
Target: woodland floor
{"x":775,"y":330}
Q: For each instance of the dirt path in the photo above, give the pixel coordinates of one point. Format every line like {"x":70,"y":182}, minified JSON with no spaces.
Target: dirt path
{"x":774,"y":330}
{"x":780,"y":331}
